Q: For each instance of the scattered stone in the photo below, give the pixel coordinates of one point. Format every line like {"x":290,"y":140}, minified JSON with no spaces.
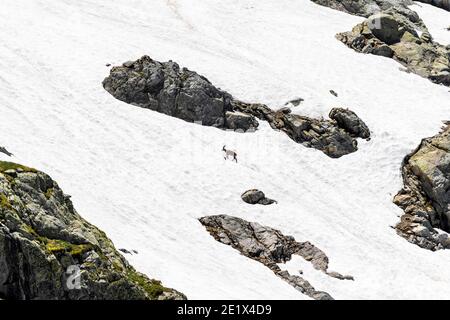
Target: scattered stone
{"x":334,"y":93}
{"x":324,"y":135}
{"x":255,"y":196}
{"x":295,"y":102}
{"x":124,"y":251}
{"x":269,"y":247}
{"x":108,"y":64}
{"x":46,"y":247}
{"x":425,"y":197}
{"x":350,"y":122}
{"x":166,"y":88}
{"x":240,"y":121}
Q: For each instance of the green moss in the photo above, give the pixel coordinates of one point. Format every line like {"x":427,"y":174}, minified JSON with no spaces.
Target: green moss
{"x":56,"y":246}
{"x":153,"y":288}
{"x":4,"y":202}
{"x":49,"y":193}
{"x":30,"y":230}
{"x":5,"y":165}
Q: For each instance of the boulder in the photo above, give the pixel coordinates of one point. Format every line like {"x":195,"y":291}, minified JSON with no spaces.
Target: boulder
{"x":239,"y":121}
{"x":255,"y":196}
{"x":270,"y":247}
{"x":48,"y":251}
{"x":169,"y":89}
{"x":350,"y":122}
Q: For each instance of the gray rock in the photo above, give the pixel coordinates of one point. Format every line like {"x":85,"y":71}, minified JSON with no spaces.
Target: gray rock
{"x":255,"y":196}
{"x":45,"y":244}
{"x":269,"y":247}
{"x":385,"y":28}
{"x":239,"y":121}
{"x":166,"y":88}
{"x":425,"y":197}
{"x":350,"y":122}
{"x":393,"y":34}
{"x":324,"y":135}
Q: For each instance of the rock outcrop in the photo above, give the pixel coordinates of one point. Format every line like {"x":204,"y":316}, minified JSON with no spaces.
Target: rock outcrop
{"x":181,"y":93}
{"x":47,"y":251}
{"x":395,"y":35}
{"x":3,"y":150}
{"x":175,"y":91}
{"x":364,"y":8}
{"x":255,"y":196}
{"x":350,"y":122}
{"x":425,"y":197}
{"x":270,"y":247}
{"x":325,"y":135}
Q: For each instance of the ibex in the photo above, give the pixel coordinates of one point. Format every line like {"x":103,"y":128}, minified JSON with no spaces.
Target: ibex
{"x":229,"y":153}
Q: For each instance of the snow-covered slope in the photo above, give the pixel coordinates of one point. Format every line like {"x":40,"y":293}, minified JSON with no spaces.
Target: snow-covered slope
{"x":145,"y":178}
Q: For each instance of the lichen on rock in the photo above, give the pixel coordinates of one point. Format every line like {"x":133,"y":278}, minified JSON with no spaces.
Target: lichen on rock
{"x":45,"y":246}
{"x":425,"y":197}
{"x":270,"y":247}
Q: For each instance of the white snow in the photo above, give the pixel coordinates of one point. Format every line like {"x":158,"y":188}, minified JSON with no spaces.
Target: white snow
{"x":436,"y":19}
{"x":145,"y":178}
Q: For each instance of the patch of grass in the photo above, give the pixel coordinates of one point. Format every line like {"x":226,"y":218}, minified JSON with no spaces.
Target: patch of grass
{"x":153,"y":288}
{"x":5,"y":165}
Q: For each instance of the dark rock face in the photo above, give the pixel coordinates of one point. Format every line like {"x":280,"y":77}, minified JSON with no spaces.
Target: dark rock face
{"x":255,"y":196}
{"x":164,"y":87}
{"x":425,"y":197}
{"x":324,"y":135}
{"x":394,"y":34}
{"x":350,"y":122}
{"x":47,"y":251}
{"x":270,"y":247}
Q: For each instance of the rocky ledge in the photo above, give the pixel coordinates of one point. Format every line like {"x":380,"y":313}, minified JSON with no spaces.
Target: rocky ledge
{"x":47,"y":251}
{"x":181,"y":93}
{"x":335,"y":137}
{"x":403,"y":37}
{"x":425,"y":197}
{"x":270,"y":247}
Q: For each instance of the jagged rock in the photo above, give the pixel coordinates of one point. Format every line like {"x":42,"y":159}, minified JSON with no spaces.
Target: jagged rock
{"x":295,"y":102}
{"x":324,"y":135}
{"x":255,"y":196}
{"x":425,"y":197}
{"x":45,"y":246}
{"x":350,"y":122}
{"x":269,"y":247}
{"x":392,"y":34}
{"x":169,"y":89}
{"x":3,"y":150}
{"x":240,"y":121}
